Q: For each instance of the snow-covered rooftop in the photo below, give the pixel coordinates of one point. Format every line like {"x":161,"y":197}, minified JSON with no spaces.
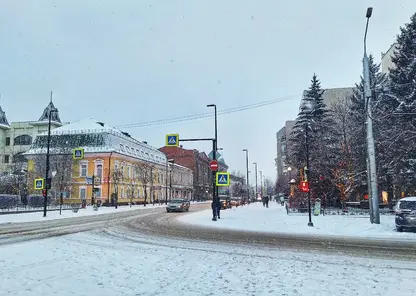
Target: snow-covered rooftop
{"x":96,"y":137}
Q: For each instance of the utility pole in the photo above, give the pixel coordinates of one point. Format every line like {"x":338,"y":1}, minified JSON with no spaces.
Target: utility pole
{"x":307,"y":175}
{"x":255,"y":166}
{"x":248,"y":186}
{"x":261,"y":184}
{"x":370,"y":137}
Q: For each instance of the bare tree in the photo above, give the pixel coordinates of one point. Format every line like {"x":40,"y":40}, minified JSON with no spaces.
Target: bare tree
{"x":61,"y":167}
{"x":116,"y":179}
{"x":145,"y":175}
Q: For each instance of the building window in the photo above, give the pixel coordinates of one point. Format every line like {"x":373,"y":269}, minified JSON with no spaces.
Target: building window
{"x":83,"y":193}
{"x":122,"y":192}
{"x":97,"y":192}
{"x":128,"y":149}
{"x":122,"y":148}
{"x":128,"y":172}
{"x":8,"y":141}
{"x":6,"y":159}
{"x":22,"y":140}
{"x":99,"y":170}
{"x":83,"y":170}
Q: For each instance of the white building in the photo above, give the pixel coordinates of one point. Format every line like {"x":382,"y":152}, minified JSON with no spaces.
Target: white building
{"x":386,"y":62}
{"x":16,"y":137}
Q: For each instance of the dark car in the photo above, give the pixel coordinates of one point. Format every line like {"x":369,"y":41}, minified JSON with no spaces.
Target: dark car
{"x":178,"y":205}
{"x":406,"y":214}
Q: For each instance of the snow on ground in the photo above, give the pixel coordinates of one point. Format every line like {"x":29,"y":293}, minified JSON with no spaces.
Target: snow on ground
{"x":52,"y":215}
{"x":255,"y":217}
{"x":100,"y":264}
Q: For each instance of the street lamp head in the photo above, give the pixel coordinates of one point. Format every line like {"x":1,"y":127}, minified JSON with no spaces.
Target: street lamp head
{"x":245,"y":150}
{"x":289,"y":169}
{"x":369,"y":12}
{"x":211,"y":105}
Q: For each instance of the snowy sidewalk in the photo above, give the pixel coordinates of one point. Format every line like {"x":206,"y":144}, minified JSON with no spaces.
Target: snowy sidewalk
{"x":89,"y":211}
{"x":255,"y":217}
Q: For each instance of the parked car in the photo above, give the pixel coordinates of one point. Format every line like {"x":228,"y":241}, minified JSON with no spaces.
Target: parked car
{"x":178,"y":205}
{"x":406,"y":213}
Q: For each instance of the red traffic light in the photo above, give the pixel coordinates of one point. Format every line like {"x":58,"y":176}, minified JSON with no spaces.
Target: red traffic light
{"x":44,"y":192}
{"x":304,"y":186}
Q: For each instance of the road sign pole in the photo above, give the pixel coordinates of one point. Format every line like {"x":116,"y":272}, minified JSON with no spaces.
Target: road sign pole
{"x":214,"y":187}
{"x":92,"y":194}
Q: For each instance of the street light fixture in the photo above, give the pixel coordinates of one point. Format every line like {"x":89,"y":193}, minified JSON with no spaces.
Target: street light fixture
{"x":47,"y":179}
{"x":214,"y":157}
{"x":255,"y":167}
{"x":372,"y":173}
{"x":261,"y":184}
{"x":248,"y":186}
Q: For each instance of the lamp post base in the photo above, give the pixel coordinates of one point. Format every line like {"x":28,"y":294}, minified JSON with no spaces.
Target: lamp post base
{"x":310,"y":224}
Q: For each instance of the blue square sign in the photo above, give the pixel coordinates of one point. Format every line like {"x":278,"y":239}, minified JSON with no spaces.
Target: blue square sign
{"x":223,"y":179}
{"x":172,"y":140}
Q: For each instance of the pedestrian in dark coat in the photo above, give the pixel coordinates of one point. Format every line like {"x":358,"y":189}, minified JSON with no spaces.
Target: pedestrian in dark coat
{"x":214,"y":210}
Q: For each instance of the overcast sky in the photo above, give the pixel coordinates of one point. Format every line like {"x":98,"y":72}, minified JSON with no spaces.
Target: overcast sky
{"x":128,"y":62}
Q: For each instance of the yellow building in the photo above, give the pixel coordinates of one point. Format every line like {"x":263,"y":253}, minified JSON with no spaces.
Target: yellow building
{"x":124,"y":169}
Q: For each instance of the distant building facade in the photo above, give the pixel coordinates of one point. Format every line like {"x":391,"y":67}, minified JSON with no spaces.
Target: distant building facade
{"x":386,"y":63}
{"x":282,"y":145}
{"x":17,"y":137}
{"x":198,"y":163}
{"x":124,"y":169}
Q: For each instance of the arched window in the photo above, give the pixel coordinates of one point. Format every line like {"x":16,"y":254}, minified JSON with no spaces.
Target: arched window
{"x":23,"y":140}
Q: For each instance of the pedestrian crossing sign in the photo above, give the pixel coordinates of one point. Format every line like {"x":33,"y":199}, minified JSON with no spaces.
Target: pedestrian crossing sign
{"x":39,"y":184}
{"x":223,"y":179}
{"x":78,"y":153}
{"x":172,"y":140}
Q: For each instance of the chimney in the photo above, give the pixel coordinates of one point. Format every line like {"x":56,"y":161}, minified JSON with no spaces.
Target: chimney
{"x":145,"y":142}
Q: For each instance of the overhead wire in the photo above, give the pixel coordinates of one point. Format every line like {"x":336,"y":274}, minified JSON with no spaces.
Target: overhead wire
{"x":206,"y":115}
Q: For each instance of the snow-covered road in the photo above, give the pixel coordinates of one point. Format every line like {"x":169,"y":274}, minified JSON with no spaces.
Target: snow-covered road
{"x":100,"y":264}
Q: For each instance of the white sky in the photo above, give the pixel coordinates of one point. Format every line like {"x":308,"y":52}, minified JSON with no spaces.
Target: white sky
{"x":125,"y":62}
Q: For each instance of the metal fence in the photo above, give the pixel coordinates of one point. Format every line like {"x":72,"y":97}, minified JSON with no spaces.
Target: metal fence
{"x":338,"y":211}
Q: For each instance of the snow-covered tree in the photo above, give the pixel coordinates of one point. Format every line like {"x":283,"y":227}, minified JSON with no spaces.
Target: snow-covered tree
{"x":401,"y":105}
{"x":323,"y":140}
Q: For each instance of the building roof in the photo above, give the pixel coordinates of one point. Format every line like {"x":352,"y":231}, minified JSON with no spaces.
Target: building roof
{"x":96,"y":137}
{"x":54,"y":115}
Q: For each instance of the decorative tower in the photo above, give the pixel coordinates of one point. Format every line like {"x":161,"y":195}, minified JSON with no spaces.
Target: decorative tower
{"x":4,"y":127}
{"x":55,"y":120}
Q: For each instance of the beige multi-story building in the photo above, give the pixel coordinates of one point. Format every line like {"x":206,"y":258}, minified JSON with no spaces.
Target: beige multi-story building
{"x":16,"y":137}
{"x":282,"y":138}
{"x":330,"y":96}
{"x":386,"y":62}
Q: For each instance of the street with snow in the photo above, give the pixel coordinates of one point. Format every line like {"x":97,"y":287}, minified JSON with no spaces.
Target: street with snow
{"x":118,"y":261}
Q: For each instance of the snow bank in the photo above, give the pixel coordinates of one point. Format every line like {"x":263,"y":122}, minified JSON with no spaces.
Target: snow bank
{"x":274,"y":219}
{"x":89,"y":211}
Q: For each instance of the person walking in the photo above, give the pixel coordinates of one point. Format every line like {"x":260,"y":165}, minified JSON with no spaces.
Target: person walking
{"x":214,"y":210}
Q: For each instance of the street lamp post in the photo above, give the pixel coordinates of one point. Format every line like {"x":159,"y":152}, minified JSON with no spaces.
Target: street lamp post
{"x":255,"y":167}
{"x":48,"y":181}
{"x":307,"y":175}
{"x":261,"y":184}
{"x":166,"y":179}
{"x":370,"y":138}
{"x":248,"y":186}
{"x":214,"y":157}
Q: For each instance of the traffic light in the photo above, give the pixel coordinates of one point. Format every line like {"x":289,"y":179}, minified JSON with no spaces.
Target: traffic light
{"x":304,"y":186}
{"x":306,"y":173}
{"x":44,"y":192}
